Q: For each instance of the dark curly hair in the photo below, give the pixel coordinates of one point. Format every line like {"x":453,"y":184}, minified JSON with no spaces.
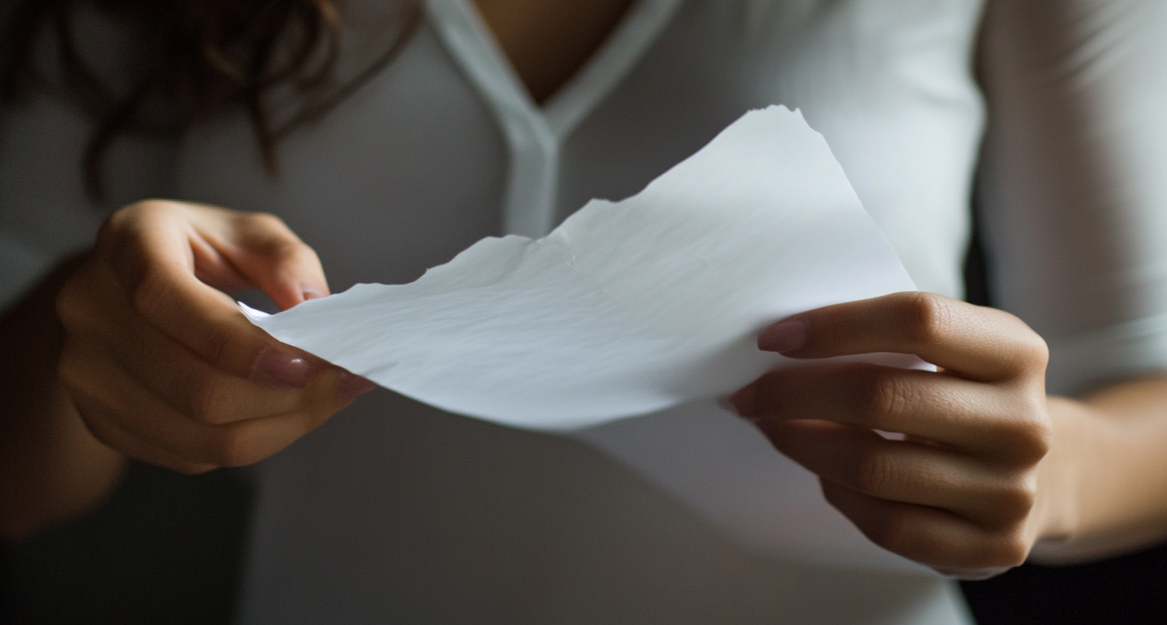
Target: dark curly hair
{"x":195,"y":59}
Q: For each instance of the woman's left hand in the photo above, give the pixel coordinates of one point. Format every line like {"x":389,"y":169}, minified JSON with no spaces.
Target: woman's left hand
{"x":957,"y":492}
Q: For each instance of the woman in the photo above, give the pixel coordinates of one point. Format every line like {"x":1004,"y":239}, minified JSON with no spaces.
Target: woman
{"x":492,"y":112}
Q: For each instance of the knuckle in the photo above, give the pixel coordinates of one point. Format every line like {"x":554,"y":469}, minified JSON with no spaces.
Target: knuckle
{"x":1008,"y":548}
{"x":874,"y":472}
{"x":1029,"y":435}
{"x":1008,"y":502}
{"x":288,"y":251}
{"x":125,"y":217}
{"x":142,"y":207}
{"x":882,"y":393}
{"x":264,"y":222}
{"x":275,"y":231}
{"x":892,"y":531}
{"x":1017,"y":499}
{"x":1024,"y":351}
{"x":927,"y":317}
{"x":215,"y":344}
{"x":277,"y":240}
{"x":150,"y":292}
{"x":1032,"y":351}
{"x":131,"y":218}
{"x":1035,"y":447}
{"x":124,"y":241}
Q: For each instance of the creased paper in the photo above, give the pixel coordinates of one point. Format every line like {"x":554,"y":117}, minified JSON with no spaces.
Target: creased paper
{"x":650,"y":307}
{"x":628,"y":307}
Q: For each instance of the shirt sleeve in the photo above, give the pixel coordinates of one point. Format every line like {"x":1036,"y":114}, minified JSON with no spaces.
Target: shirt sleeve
{"x":1073,"y":181}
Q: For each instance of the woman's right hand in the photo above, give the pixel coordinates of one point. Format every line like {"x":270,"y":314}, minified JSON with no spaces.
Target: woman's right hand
{"x":161,"y":364}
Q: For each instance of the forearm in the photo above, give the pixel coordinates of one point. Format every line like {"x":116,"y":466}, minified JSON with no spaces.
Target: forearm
{"x":1104,"y":484}
{"x":51,"y":467}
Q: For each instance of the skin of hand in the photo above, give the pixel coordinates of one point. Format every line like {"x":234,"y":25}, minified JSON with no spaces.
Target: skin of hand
{"x":159,"y":362}
{"x":957,"y":491}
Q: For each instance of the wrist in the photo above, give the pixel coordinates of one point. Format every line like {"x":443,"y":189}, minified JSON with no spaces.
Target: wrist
{"x":1056,"y":520}
{"x":1100,"y":489}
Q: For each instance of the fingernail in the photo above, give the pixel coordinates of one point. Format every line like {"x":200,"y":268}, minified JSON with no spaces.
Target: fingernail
{"x":281,"y":369}
{"x":784,"y":336}
{"x":310,"y":292}
{"x":351,"y":385}
{"x":742,"y":402}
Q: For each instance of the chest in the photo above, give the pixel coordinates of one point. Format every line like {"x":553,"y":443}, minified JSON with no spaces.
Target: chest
{"x":547,"y":41}
{"x":445,"y":144}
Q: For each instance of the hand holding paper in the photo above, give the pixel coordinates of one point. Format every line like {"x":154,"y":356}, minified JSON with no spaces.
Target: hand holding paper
{"x":626,"y":308}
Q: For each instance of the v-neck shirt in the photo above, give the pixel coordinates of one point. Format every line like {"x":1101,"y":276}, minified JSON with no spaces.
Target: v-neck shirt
{"x":394,"y":511}
{"x":447,"y":146}
{"x":536,"y":133}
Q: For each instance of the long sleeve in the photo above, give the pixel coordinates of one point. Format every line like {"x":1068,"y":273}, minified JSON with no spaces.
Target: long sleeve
{"x":1073,"y":184}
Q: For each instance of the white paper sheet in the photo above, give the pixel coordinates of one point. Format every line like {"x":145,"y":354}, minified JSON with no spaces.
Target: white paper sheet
{"x":649,"y":305}
{"x":722,"y":467}
{"x":626,"y":308}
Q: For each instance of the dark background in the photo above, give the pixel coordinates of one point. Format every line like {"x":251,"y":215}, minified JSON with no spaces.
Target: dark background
{"x":165,"y":549}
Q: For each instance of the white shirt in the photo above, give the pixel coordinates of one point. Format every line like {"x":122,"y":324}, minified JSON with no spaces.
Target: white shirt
{"x":396,"y":512}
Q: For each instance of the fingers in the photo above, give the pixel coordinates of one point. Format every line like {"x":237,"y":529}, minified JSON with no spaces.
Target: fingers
{"x":155,"y":250}
{"x":930,"y":535}
{"x":956,"y":492}
{"x":263,"y":250}
{"x":970,"y":451}
{"x":137,"y":422}
{"x":905,"y":471}
{"x":974,"y":342}
{"x":166,"y":368}
{"x":163,"y":366}
{"x":978,"y":419}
